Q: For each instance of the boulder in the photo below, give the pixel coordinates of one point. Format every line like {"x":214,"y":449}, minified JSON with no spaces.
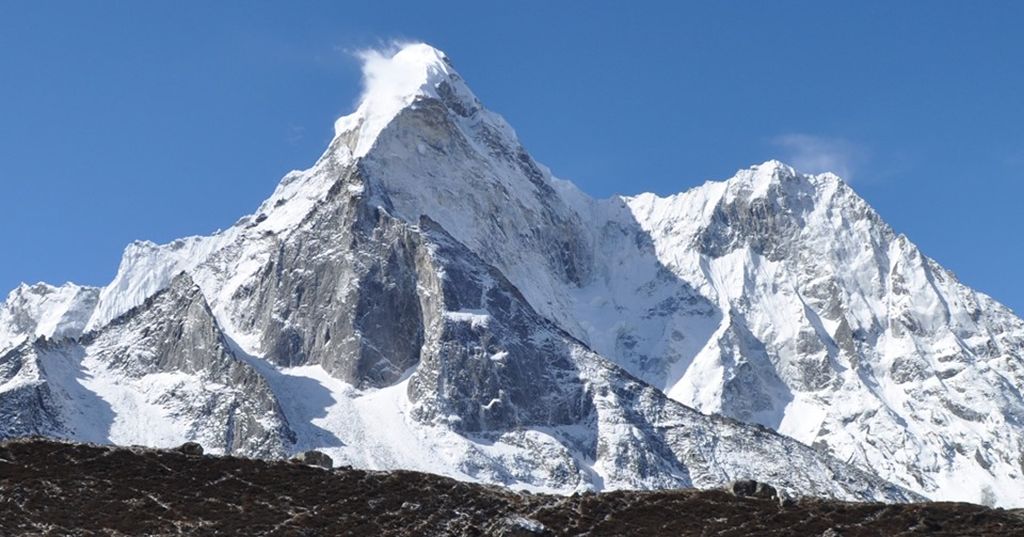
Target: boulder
{"x":191,"y":448}
{"x":748,"y":488}
{"x":520,"y":526}
{"x":314,"y":458}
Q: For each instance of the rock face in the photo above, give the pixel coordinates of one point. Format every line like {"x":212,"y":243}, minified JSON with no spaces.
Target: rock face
{"x":353,"y":306}
{"x":49,"y":487}
{"x":428,"y":297}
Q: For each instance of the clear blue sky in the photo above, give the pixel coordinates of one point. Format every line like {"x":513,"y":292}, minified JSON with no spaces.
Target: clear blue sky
{"x":163,"y":119}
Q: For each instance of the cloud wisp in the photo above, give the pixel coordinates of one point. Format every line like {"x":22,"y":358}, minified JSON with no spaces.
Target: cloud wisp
{"x":818,"y":154}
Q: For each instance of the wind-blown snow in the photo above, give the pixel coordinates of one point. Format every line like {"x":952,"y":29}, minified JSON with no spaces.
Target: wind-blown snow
{"x":392,"y":83}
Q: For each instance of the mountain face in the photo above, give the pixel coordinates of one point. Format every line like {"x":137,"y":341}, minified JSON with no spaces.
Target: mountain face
{"x":838,"y":332}
{"x":161,"y":372}
{"x":428,"y":297}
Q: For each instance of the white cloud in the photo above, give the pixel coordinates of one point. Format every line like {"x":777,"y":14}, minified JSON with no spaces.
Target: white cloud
{"x":818,"y":154}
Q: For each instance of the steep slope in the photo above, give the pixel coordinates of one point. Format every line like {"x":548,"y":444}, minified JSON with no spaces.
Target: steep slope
{"x":536,"y":379}
{"x":427,"y":296}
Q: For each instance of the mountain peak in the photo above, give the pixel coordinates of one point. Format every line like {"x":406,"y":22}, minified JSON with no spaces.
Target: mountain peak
{"x":774,"y":167}
{"x":44,"y":310}
{"x":392,"y":82}
{"x":774,"y":177}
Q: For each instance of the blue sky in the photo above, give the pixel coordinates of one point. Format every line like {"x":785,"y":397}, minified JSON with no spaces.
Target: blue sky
{"x":157,"y":120}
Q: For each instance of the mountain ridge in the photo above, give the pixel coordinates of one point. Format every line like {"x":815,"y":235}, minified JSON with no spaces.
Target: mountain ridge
{"x":716,"y":297}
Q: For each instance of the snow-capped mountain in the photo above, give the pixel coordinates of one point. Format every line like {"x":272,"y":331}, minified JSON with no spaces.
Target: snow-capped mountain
{"x":427,"y":296}
{"x":840,"y":333}
{"x":157,"y":374}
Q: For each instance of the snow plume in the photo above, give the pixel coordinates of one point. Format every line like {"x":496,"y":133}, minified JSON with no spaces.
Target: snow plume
{"x":818,"y":154}
{"x":392,"y":79}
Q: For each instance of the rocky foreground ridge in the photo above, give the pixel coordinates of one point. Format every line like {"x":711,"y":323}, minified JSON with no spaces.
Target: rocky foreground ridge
{"x":56,"y":488}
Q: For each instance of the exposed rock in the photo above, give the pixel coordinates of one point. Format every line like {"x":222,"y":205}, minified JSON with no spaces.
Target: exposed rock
{"x":314,"y":458}
{"x":747,"y":488}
